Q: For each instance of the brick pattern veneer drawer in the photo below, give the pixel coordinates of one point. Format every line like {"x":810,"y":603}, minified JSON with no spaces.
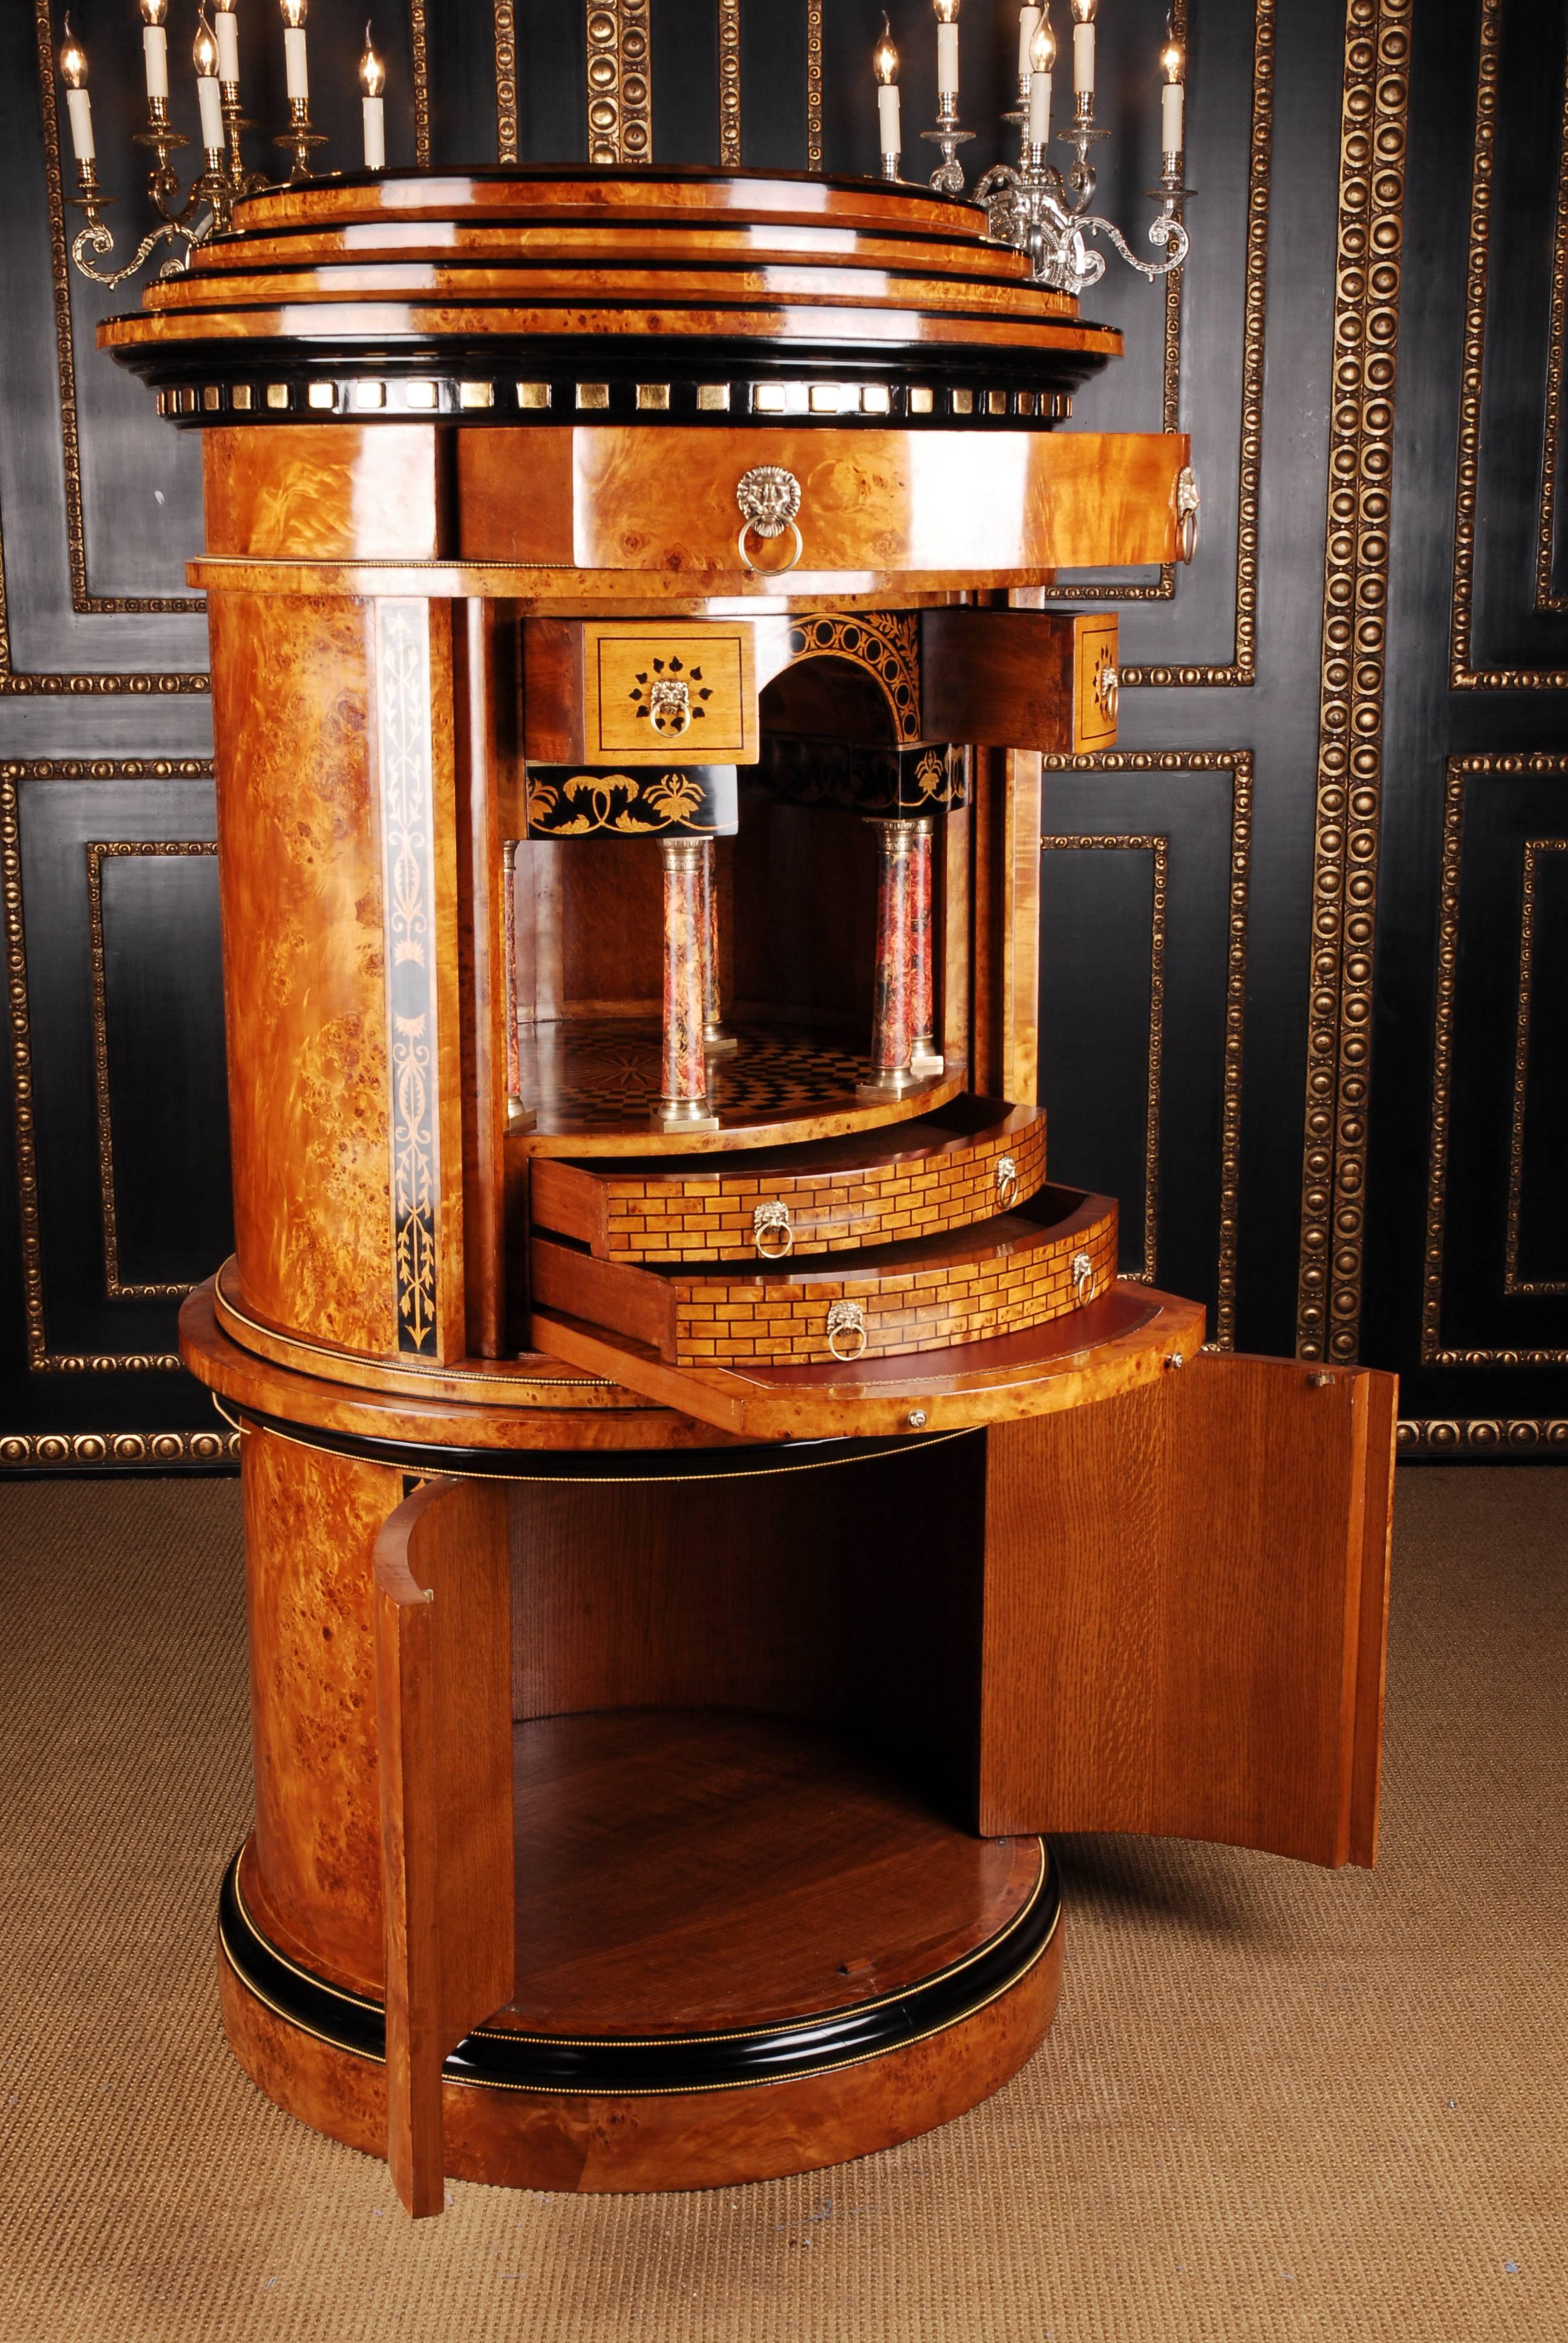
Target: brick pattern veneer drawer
{"x":1015,"y":1271}
{"x":946,"y":1170}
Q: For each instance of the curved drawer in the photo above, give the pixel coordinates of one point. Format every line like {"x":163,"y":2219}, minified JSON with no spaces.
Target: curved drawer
{"x":1054,"y":1254}
{"x":946,"y":1170}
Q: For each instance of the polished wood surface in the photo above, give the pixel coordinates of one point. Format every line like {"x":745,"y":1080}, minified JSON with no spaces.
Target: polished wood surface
{"x":604,"y":2143}
{"x":444,"y":1745}
{"x":305,"y":991}
{"x":924,"y":1294}
{"x":1115,"y":1344}
{"x":692,"y":1872}
{"x":1184,"y":1595}
{"x":311,"y":1521}
{"x":593,"y":1084}
{"x":1015,"y":679}
{"x":586,"y":697}
{"x":327,"y":492}
{"x":953,"y":506}
{"x":944,"y":1169}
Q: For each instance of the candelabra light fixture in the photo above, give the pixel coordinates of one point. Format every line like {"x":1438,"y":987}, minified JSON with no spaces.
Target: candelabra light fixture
{"x":1032,"y":204}
{"x":189,"y":219}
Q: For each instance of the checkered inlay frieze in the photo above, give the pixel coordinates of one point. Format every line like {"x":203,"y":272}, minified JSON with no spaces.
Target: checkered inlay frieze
{"x":692,"y":1214}
{"x":1025,"y":1276}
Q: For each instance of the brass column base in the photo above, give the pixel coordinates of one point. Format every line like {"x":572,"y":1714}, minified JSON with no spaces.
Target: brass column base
{"x":684,"y":1115}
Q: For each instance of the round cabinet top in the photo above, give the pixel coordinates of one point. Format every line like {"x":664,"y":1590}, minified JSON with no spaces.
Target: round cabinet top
{"x":656,"y":296}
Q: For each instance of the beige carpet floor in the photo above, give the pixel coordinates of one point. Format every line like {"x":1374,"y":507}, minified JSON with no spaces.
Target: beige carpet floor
{"x":1277,"y":2102}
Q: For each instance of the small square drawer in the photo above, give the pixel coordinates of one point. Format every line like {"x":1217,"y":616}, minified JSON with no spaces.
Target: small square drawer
{"x":638,"y":693}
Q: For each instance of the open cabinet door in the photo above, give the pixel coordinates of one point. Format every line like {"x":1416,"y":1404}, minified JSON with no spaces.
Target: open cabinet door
{"x":1185,"y":1611}
{"x":444,"y":1710}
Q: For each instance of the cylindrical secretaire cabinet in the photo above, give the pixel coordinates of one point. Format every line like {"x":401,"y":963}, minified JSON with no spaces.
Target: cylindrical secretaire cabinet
{"x":710,"y":1503}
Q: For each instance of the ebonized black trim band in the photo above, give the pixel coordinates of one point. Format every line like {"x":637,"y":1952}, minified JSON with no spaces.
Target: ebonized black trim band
{"x":579,"y":1464}
{"x":815,"y":2044}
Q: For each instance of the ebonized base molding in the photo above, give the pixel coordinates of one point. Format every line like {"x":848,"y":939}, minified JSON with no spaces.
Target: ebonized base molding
{"x":688,"y":2104}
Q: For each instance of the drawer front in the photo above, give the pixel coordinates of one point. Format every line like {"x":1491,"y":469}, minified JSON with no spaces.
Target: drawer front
{"x":881,"y":1188}
{"x":1098,"y":684}
{"x":1008,"y":1274}
{"x":638,"y":693}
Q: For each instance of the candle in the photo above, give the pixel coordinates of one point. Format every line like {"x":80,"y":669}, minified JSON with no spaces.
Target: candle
{"x":946,"y":47}
{"x":296,"y":72}
{"x":79,"y":105}
{"x":1028,"y":18}
{"x":1172,"y":99}
{"x":225,"y":24}
{"x":204,"y":57}
{"x":1083,"y":49}
{"x":885,"y":65}
{"x":1041,"y":57}
{"x":155,"y":47}
{"x":372,"y":82}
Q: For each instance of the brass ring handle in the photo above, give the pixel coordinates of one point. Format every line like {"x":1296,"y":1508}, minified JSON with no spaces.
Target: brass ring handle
{"x":1082,"y":1275}
{"x":1006,"y":1183}
{"x":772,"y":1218}
{"x":845,"y":1320}
{"x":1108,"y":691}
{"x":773,"y":568}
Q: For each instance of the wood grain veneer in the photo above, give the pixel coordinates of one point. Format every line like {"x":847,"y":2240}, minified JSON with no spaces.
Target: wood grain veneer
{"x":1183,"y":1609}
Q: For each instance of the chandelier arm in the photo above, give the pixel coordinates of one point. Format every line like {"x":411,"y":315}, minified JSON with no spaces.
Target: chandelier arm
{"x":1170,"y":228}
{"x":97,"y":238}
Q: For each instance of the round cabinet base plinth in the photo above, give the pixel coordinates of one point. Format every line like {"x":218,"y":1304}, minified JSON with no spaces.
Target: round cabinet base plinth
{"x":745,"y":1954}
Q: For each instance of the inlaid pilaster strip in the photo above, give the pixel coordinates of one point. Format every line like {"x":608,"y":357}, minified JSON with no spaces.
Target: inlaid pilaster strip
{"x":405,"y":773}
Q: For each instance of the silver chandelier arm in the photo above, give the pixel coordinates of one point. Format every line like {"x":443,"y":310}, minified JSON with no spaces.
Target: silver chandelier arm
{"x":1166,"y":230}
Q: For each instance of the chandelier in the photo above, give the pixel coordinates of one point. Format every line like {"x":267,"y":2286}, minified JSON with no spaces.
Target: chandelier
{"x":1037,"y":207}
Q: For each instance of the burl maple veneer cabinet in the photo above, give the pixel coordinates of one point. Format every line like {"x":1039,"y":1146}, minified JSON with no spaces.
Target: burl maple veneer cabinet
{"x":710,"y":1503}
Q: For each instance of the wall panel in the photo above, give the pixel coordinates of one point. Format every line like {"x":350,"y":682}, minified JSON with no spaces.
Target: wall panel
{"x":1303,"y":933}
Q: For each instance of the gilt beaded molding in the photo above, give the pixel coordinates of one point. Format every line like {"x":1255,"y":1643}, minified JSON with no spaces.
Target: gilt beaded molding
{"x":505,"y":82}
{"x":1546,"y":598}
{"x":1374,"y":132}
{"x":813,"y":85}
{"x":1463,"y":675}
{"x":1480,"y":1435}
{"x":1458,"y":773}
{"x":1535,"y":848}
{"x":1238,"y":763}
{"x":729,"y":85}
{"x":619,"y":83}
{"x":40,"y":1359}
{"x":22,"y":1452}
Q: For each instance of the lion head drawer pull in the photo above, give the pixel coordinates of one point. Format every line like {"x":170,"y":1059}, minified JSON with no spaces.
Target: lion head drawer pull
{"x":1006,"y":1183}
{"x":1187,"y":502}
{"x":846,"y":1326}
{"x":771,"y":1231}
{"x":1108,"y":691}
{"x":1082,"y":1276}
{"x":768,"y":498}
